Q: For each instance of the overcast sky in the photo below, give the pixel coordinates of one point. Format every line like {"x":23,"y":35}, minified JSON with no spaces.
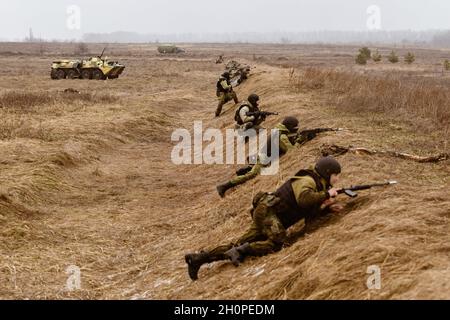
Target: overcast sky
{"x":49,"y":18}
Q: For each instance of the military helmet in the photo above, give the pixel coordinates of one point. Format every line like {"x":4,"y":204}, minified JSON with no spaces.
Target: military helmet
{"x":291,"y":123}
{"x":253,"y":99}
{"x":326,"y":166}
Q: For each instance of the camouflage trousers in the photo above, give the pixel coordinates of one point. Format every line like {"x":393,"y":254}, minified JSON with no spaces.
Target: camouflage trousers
{"x":265,"y":235}
{"x":255,"y":125}
{"x":224,"y":98}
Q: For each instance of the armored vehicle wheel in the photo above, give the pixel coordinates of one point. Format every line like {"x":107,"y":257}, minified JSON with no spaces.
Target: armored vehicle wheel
{"x":86,"y":74}
{"x":53,"y":74}
{"x":60,"y":74}
{"x":98,"y":75}
{"x":72,"y":74}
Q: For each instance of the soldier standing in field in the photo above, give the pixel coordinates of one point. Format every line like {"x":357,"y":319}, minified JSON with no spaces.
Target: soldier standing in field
{"x":224,"y":92}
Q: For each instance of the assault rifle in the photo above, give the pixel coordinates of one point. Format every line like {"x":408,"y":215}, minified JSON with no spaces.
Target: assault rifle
{"x":309,"y":134}
{"x":351,"y":191}
{"x":262,"y":114}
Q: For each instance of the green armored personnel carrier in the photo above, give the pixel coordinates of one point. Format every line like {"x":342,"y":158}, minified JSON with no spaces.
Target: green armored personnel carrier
{"x":170,"y":48}
{"x":93,"y":68}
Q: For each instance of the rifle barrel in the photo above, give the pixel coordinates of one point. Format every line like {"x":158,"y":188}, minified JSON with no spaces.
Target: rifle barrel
{"x":103,"y":52}
{"x":366,"y":186}
{"x":317,"y":130}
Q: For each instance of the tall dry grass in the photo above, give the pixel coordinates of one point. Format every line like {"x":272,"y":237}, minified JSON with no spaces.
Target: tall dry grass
{"x":390,"y":94}
{"x":25,"y":100}
{"x":23,"y":113}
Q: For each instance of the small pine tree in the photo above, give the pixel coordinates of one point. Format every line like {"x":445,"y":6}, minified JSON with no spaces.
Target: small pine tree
{"x":361,"y":59}
{"x":410,"y":58}
{"x":447,"y":65}
{"x":393,"y":58}
{"x":365,"y":52}
{"x":376,"y":56}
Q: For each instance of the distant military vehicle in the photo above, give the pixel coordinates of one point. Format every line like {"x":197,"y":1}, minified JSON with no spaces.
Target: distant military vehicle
{"x":170,"y":48}
{"x":93,"y":68}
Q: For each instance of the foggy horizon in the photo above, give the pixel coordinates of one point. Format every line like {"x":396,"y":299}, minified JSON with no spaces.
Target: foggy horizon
{"x":73,"y":20}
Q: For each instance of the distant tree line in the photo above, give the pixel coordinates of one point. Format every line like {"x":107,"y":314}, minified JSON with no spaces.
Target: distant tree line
{"x":442,"y":39}
{"x":434,"y":37}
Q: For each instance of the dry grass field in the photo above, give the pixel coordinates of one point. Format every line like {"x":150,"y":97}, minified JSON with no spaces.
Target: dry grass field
{"x":87,"y":179}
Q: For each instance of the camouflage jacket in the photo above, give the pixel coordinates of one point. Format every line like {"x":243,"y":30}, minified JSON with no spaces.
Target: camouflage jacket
{"x":301,"y":197}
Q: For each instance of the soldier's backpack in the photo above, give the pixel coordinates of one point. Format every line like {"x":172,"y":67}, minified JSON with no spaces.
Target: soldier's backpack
{"x":237,"y":116}
{"x":271,"y":201}
{"x":219,"y":88}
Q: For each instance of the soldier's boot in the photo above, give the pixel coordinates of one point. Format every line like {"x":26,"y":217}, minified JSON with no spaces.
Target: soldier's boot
{"x":195,"y":261}
{"x":219,"y":108}
{"x":237,"y":254}
{"x":244,"y":170}
{"x":222,"y":188}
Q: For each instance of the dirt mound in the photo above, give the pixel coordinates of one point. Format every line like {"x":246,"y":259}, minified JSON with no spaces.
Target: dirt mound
{"x":402,"y":230}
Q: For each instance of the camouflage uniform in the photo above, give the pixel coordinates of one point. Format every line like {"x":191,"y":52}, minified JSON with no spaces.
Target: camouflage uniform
{"x":297,"y":199}
{"x":225,"y":93}
{"x":286,"y":143}
{"x":265,"y":234}
{"x":244,"y":121}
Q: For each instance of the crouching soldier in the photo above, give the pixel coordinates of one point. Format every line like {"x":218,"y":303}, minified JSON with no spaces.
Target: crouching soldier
{"x":248,"y":115}
{"x":287,"y":130}
{"x":225,"y":92}
{"x":302,"y":197}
